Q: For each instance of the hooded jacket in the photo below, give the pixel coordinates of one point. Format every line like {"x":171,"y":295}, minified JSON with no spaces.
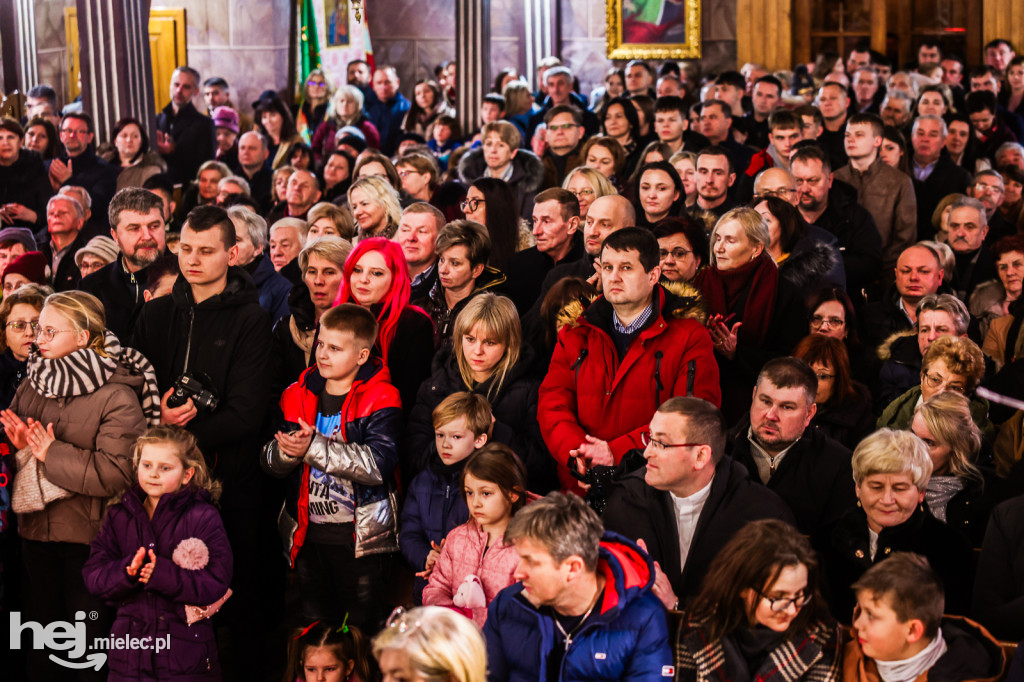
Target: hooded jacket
{"x":364,"y":451}
{"x":442,"y":316}
{"x":972,"y":655}
{"x":120,"y":292}
{"x":273,"y":287}
{"x":157,"y":608}
{"x":588,"y":390}
{"x":527,"y":176}
{"x":814,"y":263}
{"x":226,"y":340}
{"x":625,"y":637}
{"x":901,"y":366}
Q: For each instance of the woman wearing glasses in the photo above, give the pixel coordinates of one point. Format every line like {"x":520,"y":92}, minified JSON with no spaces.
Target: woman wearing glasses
{"x":587,"y":184}
{"x":19,"y":313}
{"x":316,"y":94}
{"x":891,"y":470}
{"x":759,"y":614}
{"x":492,"y":203}
{"x":682,"y":246}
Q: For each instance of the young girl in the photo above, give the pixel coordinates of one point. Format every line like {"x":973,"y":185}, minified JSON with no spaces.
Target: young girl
{"x":326,"y":652}
{"x":163,"y":557}
{"x":475,"y":562}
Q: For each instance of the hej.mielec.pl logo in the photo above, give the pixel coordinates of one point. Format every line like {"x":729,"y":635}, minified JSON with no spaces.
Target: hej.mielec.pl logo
{"x":71,"y":638}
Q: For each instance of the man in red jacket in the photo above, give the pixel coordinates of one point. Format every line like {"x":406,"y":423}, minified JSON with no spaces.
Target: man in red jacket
{"x":632,"y":349}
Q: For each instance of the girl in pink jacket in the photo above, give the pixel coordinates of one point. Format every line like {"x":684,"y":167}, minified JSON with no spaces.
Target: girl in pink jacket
{"x":476,"y":563}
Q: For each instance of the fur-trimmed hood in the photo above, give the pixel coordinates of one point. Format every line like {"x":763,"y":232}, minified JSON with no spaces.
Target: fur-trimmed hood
{"x":886,"y":350}
{"x":809,"y":264}
{"x":682,"y":301}
{"x":527,"y":169}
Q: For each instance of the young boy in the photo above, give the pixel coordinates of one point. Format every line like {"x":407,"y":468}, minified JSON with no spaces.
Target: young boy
{"x":899,"y":633}
{"x":339,"y":451}
{"x":435,"y":504}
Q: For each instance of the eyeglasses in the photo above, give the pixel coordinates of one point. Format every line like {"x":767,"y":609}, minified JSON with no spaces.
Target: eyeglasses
{"x":936,"y":381}
{"x":406,"y":173}
{"x":316,"y":84}
{"x":650,"y":441}
{"x":21,"y":325}
{"x":564,"y":126}
{"x":47,"y":334}
{"x":780,"y":604}
{"x":824,"y":377}
{"x":470,"y":204}
{"x":678,"y":253}
{"x":781,"y":193}
{"x":819,"y":320}
{"x":582,"y":192}
{"x":399,"y":619}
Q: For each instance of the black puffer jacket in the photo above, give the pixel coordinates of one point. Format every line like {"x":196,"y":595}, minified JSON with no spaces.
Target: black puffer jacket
{"x":527,"y":176}
{"x":813,"y":264}
{"x":849,"y":421}
{"x":515,"y":412}
{"x":901,"y":367}
{"x":227,"y":339}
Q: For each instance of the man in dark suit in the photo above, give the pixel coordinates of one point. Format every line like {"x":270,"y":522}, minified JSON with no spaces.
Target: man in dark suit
{"x":935,"y":174}
{"x":184,"y":137}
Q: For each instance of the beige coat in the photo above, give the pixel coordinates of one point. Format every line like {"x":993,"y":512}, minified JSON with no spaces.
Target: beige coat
{"x":91,"y":456}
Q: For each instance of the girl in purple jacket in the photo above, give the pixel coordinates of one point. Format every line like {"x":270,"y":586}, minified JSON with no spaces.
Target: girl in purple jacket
{"x":163,"y":559}
{"x":475,"y":562}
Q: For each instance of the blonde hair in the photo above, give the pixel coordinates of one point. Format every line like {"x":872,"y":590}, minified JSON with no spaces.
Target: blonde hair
{"x":187,"y":450}
{"x":341,"y":217}
{"x":499,"y":319}
{"x":85,"y":312}
{"x":381,"y":191}
{"x":218,"y":166}
{"x":948,"y":417}
{"x":282,"y":170}
{"x":598,"y":182}
{"x":442,"y":646}
{"x":888,"y":451}
{"x":961,"y":355}
{"x":518,"y":98}
{"x":473,"y":406}
{"x":505,"y":131}
{"x":753,"y":225}
{"x":329,"y":247}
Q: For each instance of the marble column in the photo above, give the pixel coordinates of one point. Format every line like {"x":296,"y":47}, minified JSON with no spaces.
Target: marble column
{"x":472,"y":56}
{"x":18,"y":38}
{"x":542,"y":35}
{"x":116,"y":69}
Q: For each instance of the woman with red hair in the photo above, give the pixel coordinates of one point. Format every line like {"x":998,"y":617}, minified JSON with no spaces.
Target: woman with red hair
{"x":377,"y":277}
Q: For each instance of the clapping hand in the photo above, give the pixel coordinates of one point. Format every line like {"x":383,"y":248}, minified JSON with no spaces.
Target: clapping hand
{"x":295,"y":443}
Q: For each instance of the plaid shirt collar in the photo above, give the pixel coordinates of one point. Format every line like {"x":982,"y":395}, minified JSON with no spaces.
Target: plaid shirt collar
{"x":637,"y":324}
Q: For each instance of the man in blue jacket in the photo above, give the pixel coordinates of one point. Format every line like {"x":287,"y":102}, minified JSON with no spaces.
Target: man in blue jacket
{"x":583,"y":607}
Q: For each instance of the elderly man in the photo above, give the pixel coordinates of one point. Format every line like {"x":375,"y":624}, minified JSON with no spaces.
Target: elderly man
{"x":968,"y":227}
{"x":596,"y":398}
{"x":781,"y":449}
{"x":303,"y":191}
{"x":184,"y":137}
{"x":287,"y":239}
{"x":935,"y":174}
{"x":64,"y":221}
{"x":897,"y":109}
{"x":252,"y":165}
{"x":865,"y":91}
{"x":559,"y":81}
{"x":918,"y":273}
{"x":582,"y":603}
{"x":137,"y":226}
{"x":251,"y":240}
{"x":417,"y":235}
{"x":988,"y":188}
{"x":689,"y":499}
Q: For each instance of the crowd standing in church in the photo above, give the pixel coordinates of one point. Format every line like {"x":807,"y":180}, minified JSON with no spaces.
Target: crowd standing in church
{"x":696,"y":376}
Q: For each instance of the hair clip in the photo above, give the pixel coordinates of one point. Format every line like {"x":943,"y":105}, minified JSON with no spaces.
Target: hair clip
{"x":344,"y":625}
{"x":308,"y":628}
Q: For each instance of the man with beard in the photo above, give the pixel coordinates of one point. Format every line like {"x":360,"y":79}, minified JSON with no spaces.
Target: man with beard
{"x":137,"y":225}
{"x":782,"y":450}
{"x":968,"y":227}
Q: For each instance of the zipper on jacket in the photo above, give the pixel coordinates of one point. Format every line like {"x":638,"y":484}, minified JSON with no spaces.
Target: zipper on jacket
{"x":188,"y":342}
{"x":691,"y":376}
{"x":658,"y":386}
{"x":579,"y":361}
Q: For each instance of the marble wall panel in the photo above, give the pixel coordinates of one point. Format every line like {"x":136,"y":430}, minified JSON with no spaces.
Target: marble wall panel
{"x":259,"y":23}
{"x":588,"y":61}
{"x":575,"y":15}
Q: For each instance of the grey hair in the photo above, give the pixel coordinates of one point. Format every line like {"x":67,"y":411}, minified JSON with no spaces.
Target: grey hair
{"x":77,"y":207}
{"x":971,"y":202}
{"x":235,"y":180}
{"x":949,"y":304}
{"x":253,"y":224}
{"x":300,"y":227}
{"x":900,"y":95}
{"x":930,"y":117}
{"x":1007,"y":146}
{"x":563,"y":524}
{"x":78,"y":191}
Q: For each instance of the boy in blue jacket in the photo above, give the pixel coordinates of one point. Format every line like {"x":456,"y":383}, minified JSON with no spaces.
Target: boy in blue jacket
{"x":583,"y":607}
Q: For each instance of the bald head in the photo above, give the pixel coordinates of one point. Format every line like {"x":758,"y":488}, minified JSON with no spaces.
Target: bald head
{"x":614,"y":212}
{"x":776,"y":181}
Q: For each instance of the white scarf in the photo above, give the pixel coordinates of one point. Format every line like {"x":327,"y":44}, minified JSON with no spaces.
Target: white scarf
{"x":911,"y":668}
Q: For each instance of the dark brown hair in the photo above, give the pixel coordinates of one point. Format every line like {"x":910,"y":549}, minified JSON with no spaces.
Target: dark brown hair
{"x":497,"y":464}
{"x":832,"y":353}
{"x":349,"y":317}
{"x":909,"y":587}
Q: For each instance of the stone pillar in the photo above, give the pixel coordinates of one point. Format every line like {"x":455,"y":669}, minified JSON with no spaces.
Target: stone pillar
{"x":18,"y":37}
{"x":542,"y":37}
{"x":473,"y":59}
{"x":116,"y":68}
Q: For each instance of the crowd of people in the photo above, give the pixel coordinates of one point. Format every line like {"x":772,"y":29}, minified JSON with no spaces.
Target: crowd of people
{"x":696,"y":376}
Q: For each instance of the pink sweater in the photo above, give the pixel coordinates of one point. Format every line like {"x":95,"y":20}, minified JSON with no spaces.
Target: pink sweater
{"x":463,"y":555}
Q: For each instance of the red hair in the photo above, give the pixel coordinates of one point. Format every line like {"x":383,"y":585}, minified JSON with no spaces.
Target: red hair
{"x":397,"y":297}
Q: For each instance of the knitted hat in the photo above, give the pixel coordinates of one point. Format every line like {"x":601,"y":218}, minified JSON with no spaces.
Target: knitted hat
{"x":31,"y":265}
{"x":225,"y":117}
{"x":21,"y":235}
{"x":354,"y":142}
{"x":103,"y":248}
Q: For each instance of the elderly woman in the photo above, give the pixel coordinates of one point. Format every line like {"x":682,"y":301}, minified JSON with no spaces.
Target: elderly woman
{"x":99,"y":252}
{"x":682,"y":247}
{"x":760,"y":602}
{"x":754,"y":314}
{"x":326,"y":219}
{"x":346,"y":109}
{"x":891,"y":470}
{"x":956,"y":491}
{"x":1008,"y":253}
{"x":587,"y":184}
{"x":804,"y":259}
{"x":24,"y":184}
{"x":375,"y":208}
{"x":951,"y":363}
{"x":203,"y":190}
{"x":937,"y":315}
{"x":19,"y":315}
{"x":251,"y":241}
{"x":428,"y":644}
{"x":310,"y":114}
{"x":322,"y":264}
{"x":844,"y":405}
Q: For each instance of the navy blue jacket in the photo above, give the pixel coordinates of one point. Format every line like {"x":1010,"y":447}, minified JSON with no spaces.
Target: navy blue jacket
{"x":388,"y":117}
{"x":273,"y":287}
{"x":625,"y":639}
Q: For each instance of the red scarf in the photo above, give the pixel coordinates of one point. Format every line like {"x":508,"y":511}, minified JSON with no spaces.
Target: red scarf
{"x":758,"y":281}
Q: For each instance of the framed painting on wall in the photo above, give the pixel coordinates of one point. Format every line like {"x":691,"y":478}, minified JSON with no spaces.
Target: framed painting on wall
{"x":653,"y":29}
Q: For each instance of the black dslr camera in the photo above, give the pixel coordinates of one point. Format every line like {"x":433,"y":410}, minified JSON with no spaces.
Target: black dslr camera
{"x":189,"y":386}
{"x":601,"y":477}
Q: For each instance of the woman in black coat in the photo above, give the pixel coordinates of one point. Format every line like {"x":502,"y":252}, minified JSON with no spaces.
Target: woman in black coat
{"x":488,"y":358}
{"x":19,"y":316}
{"x":844,"y":405}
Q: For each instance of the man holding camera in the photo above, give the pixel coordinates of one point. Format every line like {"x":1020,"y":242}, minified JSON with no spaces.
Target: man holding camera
{"x":210,"y":344}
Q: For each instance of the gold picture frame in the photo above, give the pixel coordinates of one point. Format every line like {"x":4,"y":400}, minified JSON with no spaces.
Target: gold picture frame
{"x":653,"y":29}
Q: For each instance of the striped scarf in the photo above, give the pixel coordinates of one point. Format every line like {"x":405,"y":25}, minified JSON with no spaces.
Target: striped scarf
{"x":85,"y":370}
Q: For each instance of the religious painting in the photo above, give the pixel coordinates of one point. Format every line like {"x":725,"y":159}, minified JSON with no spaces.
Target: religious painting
{"x":336,"y":14}
{"x":653,"y":29}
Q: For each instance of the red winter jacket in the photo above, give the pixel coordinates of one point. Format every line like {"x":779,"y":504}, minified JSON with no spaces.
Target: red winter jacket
{"x":589,"y":391}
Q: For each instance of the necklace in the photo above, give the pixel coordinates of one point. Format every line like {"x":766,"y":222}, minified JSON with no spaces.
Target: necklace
{"x":568,"y":635}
